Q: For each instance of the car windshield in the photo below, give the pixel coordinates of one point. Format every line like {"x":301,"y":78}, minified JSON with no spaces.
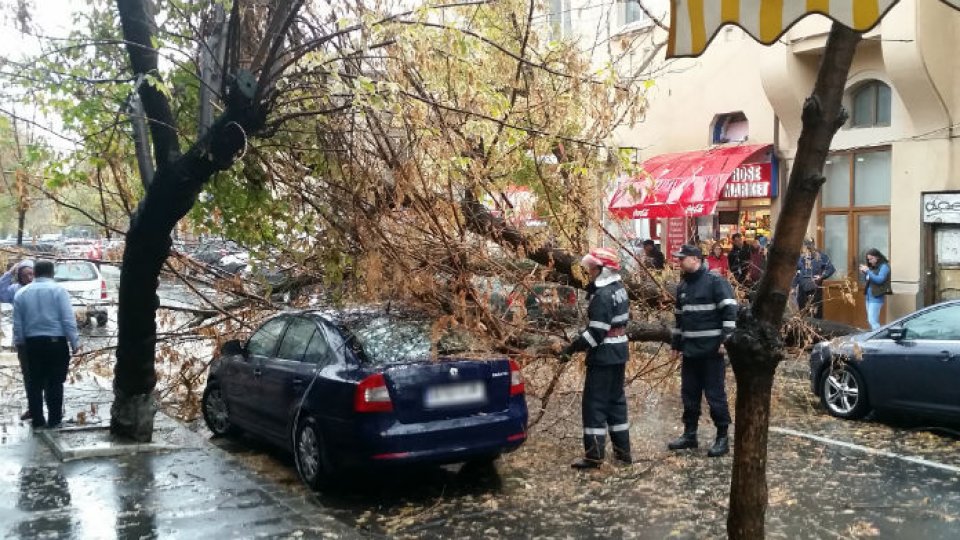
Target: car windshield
{"x":381,"y":339}
{"x":75,"y":271}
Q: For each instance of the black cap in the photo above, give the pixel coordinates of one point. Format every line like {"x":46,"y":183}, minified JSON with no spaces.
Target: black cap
{"x":687,"y":250}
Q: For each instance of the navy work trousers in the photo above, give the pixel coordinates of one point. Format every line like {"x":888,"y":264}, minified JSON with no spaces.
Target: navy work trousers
{"x":605,"y":408}
{"x":699,"y":376}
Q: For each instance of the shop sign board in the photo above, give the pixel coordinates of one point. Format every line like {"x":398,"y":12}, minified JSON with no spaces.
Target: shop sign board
{"x":749,"y":181}
{"x":941,"y":207}
{"x":676,"y":235}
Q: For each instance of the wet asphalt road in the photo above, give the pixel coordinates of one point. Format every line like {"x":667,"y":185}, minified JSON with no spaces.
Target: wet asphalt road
{"x":817,"y":489}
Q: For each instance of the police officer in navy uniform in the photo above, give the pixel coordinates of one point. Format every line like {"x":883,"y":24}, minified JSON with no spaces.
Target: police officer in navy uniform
{"x":706,"y":314}
{"x":605,"y":341}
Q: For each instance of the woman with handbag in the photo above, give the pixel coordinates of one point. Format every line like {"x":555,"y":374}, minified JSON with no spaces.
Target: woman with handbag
{"x":877,"y":275}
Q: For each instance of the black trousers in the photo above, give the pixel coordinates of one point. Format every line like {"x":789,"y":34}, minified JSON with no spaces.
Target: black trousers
{"x":47,"y":362}
{"x":815,"y":297}
{"x":605,"y":408}
{"x":699,"y":376}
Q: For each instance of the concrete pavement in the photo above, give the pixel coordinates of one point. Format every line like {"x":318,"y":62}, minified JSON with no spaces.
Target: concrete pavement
{"x":191,"y":489}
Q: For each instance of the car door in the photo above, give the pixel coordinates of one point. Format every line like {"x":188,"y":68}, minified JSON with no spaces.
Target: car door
{"x":921,"y":371}
{"x":242,"y":381}
{"x":285,"y":376}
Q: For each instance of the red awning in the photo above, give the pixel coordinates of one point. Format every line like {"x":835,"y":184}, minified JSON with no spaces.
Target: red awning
{"x":683,"y":184}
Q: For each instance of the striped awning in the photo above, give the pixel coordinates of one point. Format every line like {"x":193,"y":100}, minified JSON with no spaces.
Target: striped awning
{"x":694,"y":23}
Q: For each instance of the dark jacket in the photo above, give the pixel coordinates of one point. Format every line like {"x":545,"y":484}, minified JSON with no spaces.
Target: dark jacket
{"x":706,"y":313}
{"x":656,"y":258}
{"x":739,"y":259}
{"x":817,"y":264}
{"x":605,"y":338}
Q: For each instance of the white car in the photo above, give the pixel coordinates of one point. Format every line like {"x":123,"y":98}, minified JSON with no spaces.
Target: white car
{"x":87,"y":288}
{"x":81,"y":248}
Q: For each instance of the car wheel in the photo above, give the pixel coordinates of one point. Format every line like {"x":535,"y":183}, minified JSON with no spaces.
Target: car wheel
{"x":843,"y":392}
{"x":215,"y":412}
{"x":310,"y":455}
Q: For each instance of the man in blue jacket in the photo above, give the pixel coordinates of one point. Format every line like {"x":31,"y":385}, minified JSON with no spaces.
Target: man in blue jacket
{"x":605,"y":341}
{"x":706,"y":314}
{"x":19,"y":275}
{"x":44,"y":324}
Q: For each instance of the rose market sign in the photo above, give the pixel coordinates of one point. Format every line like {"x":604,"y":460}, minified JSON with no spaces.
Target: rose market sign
{"x":749,"y":181}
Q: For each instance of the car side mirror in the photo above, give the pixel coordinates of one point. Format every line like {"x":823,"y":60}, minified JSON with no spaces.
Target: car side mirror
{"x":896,"y":333}
{"x":233,"y":347}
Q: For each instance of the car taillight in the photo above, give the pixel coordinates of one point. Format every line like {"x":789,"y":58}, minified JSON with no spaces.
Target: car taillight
{"x":372,"y":395}
{"x":516,"y":378}
{"x":103,"y":289}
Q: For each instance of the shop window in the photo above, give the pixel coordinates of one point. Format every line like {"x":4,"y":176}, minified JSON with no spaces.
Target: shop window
{"x":732,"y":127}
{"x":871,"y":105}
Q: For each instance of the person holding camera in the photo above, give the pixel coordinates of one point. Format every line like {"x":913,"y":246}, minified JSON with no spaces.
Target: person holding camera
{"x":877,"y":275}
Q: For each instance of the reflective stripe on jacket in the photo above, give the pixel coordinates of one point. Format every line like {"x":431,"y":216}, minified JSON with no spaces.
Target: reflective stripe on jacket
{"x":605,"y":338}
{"x":706,"y":313}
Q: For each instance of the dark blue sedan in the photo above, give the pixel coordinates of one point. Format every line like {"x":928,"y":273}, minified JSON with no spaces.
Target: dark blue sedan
{"x":350,"y":389}
{"x":911,"y":365}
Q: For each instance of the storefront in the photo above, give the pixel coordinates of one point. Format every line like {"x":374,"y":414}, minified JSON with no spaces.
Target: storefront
{"x":704,"y":196}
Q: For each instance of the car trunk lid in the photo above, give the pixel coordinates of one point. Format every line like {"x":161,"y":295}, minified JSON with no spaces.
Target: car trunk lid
{"x":448,"y":388}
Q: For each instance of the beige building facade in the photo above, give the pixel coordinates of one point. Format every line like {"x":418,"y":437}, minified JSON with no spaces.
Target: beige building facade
{"x":891,"y":170}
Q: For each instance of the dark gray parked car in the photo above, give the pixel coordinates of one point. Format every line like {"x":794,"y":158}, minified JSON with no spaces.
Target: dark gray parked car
{"x":911,"y":365}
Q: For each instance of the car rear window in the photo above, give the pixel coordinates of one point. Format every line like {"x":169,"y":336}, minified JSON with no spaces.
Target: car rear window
{"x":384,"y":340}
{"x":75,"y":271}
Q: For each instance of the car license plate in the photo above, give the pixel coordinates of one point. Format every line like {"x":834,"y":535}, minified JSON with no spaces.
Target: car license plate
{"x":452,"y":395}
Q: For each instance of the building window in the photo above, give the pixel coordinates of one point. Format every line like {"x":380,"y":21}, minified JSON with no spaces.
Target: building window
{"x":871,"y":105}
{"x":730,"y":127}
{"x":560,"y":22}
{"x":630,"y":12}
{"x":855,"y":207}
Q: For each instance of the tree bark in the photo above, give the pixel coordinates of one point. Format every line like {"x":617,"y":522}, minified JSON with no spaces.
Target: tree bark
{"x":755,"y":348}
{"x":170,"y":194}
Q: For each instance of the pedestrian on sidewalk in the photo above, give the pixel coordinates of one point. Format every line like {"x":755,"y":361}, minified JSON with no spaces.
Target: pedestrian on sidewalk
{"x":43,"y":324}
{"x":813,"y":268}
{"x":605,"y":340}
{"x":653,"y":257}
{"x":877,"y":274}
{"x":706,"y":313}
{"x":19,"y":275}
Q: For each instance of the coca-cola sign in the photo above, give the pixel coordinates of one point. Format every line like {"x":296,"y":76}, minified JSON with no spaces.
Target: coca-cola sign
{"x":749,"y":181}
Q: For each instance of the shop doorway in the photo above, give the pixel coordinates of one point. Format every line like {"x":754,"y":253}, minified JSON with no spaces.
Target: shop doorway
{"x":945,"y":269}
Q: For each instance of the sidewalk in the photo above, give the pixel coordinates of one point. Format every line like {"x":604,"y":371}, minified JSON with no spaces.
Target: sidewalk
{"x":189,"y":489}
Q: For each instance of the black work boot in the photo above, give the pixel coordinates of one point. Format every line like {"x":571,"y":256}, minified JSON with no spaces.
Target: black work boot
{"x":621,"y":447}
{"x":586,"y":463}
{"x":593,"y":447}
{"x":687,"y":440}
{"x":721,"y":446}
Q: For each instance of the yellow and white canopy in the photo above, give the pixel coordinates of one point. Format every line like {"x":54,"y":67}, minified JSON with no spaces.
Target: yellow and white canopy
{"x":693,"y":23}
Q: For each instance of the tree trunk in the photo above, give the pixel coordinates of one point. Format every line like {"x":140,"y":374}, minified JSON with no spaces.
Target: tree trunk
{"x":755,"y":347}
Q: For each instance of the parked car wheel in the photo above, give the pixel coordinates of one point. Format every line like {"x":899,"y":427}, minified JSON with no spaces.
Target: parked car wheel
{"x":310,"y":454}
{"x":215,"y":412}
{"x":843,"y":392}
